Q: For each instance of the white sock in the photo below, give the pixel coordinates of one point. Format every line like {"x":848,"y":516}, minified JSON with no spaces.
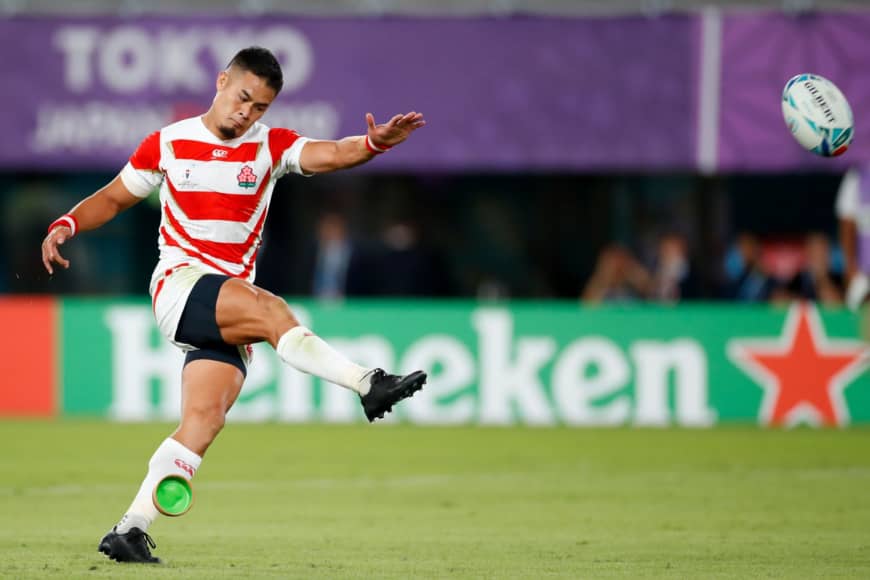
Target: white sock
{"x":303,"y":350}
{"x":171,"y":458}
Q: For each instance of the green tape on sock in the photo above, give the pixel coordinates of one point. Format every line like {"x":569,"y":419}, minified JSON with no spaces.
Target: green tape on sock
{"x":173,"y":496}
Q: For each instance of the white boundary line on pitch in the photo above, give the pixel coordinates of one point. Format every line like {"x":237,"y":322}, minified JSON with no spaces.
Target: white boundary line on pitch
{"x":437,"y":479}
{"x":409,"y":481}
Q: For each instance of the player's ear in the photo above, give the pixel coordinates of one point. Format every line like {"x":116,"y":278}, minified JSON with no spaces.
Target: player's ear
{"x":222,"y":79}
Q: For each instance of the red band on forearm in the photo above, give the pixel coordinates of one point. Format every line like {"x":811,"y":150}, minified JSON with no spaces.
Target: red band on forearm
{"x":374,"y":148}
{"x":66,"y":220}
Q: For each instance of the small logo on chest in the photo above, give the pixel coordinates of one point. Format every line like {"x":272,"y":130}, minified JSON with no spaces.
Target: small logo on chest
{"x":247,"y":177}
{"x":184,"y":181}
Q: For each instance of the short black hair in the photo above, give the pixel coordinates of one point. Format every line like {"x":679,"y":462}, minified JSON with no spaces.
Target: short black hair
{"x":261,"y":62}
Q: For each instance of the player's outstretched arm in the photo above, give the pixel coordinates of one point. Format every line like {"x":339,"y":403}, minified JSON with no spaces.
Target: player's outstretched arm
{"x":88,"y":214}
{"x":325,"y":156}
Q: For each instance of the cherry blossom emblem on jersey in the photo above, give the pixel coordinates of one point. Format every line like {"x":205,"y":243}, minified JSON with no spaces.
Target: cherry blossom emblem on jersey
{"x":247,"y":177}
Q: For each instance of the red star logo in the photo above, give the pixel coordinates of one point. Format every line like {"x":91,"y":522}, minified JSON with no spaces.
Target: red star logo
{"x":803,"y":372}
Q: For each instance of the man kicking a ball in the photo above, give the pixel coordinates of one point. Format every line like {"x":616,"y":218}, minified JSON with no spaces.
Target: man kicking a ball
{"x":216,"y":174}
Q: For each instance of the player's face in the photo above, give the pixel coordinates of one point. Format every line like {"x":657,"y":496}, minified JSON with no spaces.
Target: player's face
{"x":242,"y":98}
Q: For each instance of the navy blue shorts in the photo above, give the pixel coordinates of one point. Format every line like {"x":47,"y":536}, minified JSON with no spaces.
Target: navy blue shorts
{"x":198,"y":325}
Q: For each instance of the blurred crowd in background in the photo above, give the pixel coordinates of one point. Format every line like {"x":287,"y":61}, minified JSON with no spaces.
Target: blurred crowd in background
{"x":599,"y":239}
{"x":753,"y":270}
{"x":655,"y":167}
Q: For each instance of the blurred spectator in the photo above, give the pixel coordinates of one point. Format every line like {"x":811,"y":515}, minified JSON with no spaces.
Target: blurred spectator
{"x":817,"y":280}
{"x":746,"y":280}
{"x":618,"y":277}
{"x":853,"y":209}
{"x":332,"y":257}
{"x":395,"y":264}
{"x":403,"y":266}
{"x":674,"y":279}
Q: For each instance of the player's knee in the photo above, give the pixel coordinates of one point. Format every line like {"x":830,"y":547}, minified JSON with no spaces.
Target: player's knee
{"x":207,"y":419}
{"x":278,"y":316}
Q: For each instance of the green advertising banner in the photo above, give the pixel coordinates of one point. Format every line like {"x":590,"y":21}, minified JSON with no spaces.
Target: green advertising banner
{"x":534,"y":363}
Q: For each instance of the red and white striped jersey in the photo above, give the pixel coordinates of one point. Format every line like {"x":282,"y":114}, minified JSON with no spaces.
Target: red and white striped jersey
{"x":214,"y":194}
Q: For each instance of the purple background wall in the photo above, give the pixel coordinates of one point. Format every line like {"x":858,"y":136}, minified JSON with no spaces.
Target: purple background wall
{"x":518,"y":94}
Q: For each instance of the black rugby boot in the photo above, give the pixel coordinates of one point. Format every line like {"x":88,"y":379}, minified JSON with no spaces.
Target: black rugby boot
{"x":130,"y":547}
{"x":387,"y":390}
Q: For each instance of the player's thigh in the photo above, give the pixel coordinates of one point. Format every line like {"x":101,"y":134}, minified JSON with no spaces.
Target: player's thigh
{"x":246,"y":313}
{"x":209,"y":387}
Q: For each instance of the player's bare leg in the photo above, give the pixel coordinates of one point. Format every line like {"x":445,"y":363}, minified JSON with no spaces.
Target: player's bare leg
{"x":246,"y":313}
{"x":209,"y":389}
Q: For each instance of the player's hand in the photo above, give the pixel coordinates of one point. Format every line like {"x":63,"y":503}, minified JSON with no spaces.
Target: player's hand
{"x":50,"y":252}
{"x":857,"y":291}
{"x":395,"y":130}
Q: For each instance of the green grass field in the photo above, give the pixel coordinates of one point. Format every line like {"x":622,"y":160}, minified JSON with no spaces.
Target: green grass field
{"x":278,"y":501}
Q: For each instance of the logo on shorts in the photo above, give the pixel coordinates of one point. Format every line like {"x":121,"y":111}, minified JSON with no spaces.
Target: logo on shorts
{"x":247,"y":178}
{"x":185,"y":466}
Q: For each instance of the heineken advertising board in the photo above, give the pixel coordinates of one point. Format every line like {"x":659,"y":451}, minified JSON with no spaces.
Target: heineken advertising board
{"x":532,"y":363}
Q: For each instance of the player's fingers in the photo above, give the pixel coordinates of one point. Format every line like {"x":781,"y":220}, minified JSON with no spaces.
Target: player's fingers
{"x":51,"y":249}
{"x":60,"y":259}
{"x":370,"y":120}
{"x":414,"y":122}
{"x":45,"y":260}
{"x":395,"y":120}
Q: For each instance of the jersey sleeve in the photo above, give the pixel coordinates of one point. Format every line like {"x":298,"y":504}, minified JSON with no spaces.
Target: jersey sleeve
{"x":847,"y":196}
{"x":142,"y":174}
{"x":286,"y":149}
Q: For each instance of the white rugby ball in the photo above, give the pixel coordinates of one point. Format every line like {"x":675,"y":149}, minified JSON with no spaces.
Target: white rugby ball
{"x":818,"y":115}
